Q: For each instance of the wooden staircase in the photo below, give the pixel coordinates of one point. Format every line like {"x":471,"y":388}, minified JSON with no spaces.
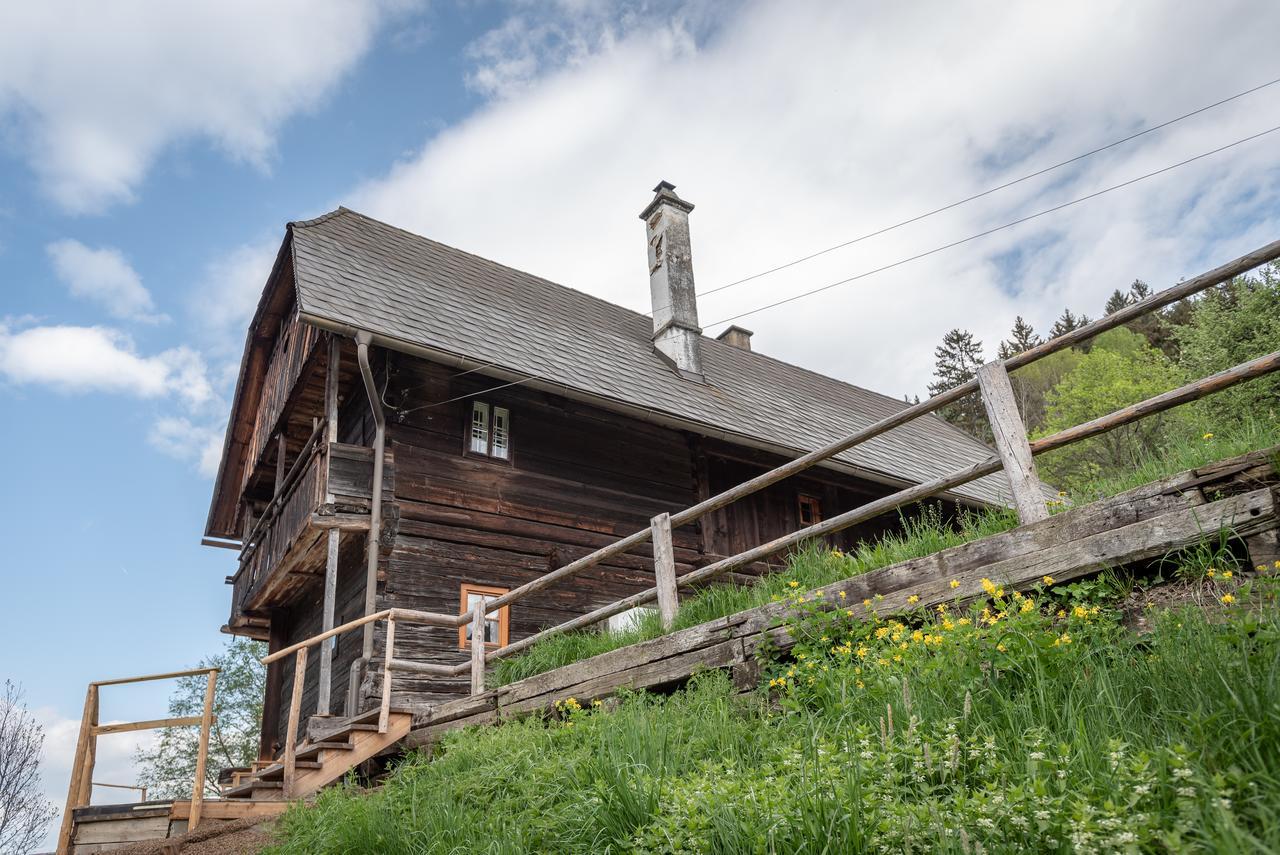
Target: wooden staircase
{"x":335,"y":751}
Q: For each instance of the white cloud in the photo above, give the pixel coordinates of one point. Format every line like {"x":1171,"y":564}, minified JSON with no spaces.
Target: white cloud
{"x":226,"y":296}
{"x":796,"y":126}
{"x":180,"y":438}
{"x":104,"y":276}
{"x":96,"y":91}
{"x":100,"y":359}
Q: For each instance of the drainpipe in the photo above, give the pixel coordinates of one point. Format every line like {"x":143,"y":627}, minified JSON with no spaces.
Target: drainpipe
{"x":375,"y":502}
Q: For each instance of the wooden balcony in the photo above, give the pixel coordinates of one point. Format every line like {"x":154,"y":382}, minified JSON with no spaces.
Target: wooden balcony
{"x":329,"y":487}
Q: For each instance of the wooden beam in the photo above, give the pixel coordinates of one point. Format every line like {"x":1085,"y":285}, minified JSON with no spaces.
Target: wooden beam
{"x":282,"y":449}
{"x":664,"y":570}
{"x":326,"y":647}
{"x":202,"y":752}
{"x":169,"y":675}
{"x":153,"y":724}
{"x":477,"y":648}
{"x":88,"y":720}
{"x":389,"y":654}
{"x":1011,"y":442}
{"x":291,"y":732}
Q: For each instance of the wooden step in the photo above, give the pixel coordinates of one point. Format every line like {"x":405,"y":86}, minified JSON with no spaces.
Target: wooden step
{"x":272,"y":773}
{"x":308,"y":751}
{"x":332,"y":727}
{"x":365,"y":742}
{"x":256,"y":789}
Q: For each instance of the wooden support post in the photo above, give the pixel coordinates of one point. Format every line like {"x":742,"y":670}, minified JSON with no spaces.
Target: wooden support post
{"x":477,"y":647}
{"x":202,"y":752}
{"x":1011,"y":442}
{"x":88,"y":721}
{"x":664,"y":569}
{"x":282,"y":449}
{"x":384,"y":715}
{"x":330,"y":599}
{"x":295,"y":710}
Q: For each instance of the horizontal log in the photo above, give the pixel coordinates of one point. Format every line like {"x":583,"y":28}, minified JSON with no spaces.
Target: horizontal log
{"x":153,"y":724}
{"x":169,"y":675}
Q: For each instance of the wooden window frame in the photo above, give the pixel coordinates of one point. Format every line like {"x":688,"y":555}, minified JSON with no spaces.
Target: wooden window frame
{"x":469,"y":419}
{"x":815,"y":509}
{"x":504,"y":615}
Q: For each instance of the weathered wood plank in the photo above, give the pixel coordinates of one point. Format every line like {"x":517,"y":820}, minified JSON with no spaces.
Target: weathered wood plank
{"x":664,"y":569}
{"x":1011,"y":442}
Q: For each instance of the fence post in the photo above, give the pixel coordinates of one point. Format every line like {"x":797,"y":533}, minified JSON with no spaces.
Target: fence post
{"x":202,"y":753}
{"x":1011,"y":442}
{"x":83,"y":758}
{"x":291,"y":733}
{"x":664,"y":569}
{"x":477,"y":647}
{"x":384,"y":715}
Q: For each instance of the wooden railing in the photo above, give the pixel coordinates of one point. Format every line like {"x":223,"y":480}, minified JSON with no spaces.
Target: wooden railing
{"x":1014,"y":454}
{"x":80,"y":788}
{"x":389,"y":665}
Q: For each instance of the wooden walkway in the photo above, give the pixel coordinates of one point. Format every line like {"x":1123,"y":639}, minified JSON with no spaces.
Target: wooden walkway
{"x":1240,"y":494}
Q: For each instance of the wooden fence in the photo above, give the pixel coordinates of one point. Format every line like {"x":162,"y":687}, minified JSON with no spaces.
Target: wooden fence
{"x":1014,"y":455}
{"x":80,"y":788}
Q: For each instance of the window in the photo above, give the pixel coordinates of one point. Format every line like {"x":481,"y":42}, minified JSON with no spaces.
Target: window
{"x":810,"y":511}
{"x":628,"y":620}
{"x":490,"y":431}
{"x":495,"y":627}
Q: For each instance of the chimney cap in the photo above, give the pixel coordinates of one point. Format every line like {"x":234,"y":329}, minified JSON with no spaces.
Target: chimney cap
{"x":665,"y":192}
{"x":736,"y":336}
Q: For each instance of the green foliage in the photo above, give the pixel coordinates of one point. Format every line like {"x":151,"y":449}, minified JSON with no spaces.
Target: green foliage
{"x":1016,"y":725}
{"x":924,"y":531}
{"x":167,"y":769}
{"x":1119,"y":370}
{"x":1230,"y":325}
{"x":957,"y":361}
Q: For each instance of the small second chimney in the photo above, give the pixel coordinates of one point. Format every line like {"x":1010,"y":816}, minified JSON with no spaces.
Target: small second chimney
{"x":736,"y":336}
{"x":676,"y":333}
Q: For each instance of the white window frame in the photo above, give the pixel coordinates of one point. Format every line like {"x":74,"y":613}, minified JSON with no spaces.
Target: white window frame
{"x":489,"y":431}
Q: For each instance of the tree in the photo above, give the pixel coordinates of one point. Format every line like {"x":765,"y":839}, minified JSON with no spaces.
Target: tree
{"x":24,"y":811}
{"x":1067,"y":322}
{"x":168,"y":768}
{"x":1021,"y":338}
{"x":957,"y":361}
{"x":1227,"y":326}
{"x":1117,"y":301}
{"x":1120,"y":369}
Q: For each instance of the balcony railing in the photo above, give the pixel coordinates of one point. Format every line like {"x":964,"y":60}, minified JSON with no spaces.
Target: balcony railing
{"x":329,"y":485}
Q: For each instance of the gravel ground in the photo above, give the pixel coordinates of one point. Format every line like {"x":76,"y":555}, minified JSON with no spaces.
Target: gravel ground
{"x":238,"y":837}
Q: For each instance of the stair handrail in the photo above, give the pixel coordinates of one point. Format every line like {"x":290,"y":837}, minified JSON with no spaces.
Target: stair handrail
{"x":80,"y":787}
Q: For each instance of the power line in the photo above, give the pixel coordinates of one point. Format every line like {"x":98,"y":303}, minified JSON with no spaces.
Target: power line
{"x":988,"y":192}
{"x":891,"y":265}
{"x":990,"y":231}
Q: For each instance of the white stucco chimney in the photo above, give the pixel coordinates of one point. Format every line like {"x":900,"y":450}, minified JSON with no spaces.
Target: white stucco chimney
{"x":676,"y":334}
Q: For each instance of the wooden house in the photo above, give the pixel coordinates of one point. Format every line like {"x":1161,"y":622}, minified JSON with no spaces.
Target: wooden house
{"x":488,"y":426}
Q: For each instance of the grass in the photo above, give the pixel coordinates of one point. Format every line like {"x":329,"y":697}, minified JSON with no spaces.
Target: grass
{"x":979,"y":734}
{"x":812,"y":566}
{"x":923,"y":533}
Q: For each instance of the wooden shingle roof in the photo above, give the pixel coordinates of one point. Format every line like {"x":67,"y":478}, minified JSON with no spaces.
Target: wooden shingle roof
{"x":352,"y":273}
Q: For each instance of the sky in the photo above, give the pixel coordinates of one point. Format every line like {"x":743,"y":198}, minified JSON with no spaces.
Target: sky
{"x":151,"y":154}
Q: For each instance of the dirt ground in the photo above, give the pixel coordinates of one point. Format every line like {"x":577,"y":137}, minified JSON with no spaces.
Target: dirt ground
{"x":238,"y":837}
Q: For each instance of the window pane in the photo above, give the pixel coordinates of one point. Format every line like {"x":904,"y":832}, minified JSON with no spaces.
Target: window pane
{"x":480,"y":427}
{"x":492,"y":624}
{"x":500,"y":433}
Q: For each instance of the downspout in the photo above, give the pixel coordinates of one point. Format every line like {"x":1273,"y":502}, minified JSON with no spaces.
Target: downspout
{"x":375,"y":501}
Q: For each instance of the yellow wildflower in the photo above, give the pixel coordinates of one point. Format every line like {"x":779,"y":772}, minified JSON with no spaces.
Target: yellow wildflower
{"x":1207,"y":436}
{"x":1211,"y":572}
{"x":948,"y":625}
{"x":848,"y":612}
{"x":964,"y":621}
{"x":1080,"y":612}
{"x":1065,"y":638}
{"x":1278,"y":564}
{"x":942,"y":608}
{"x":955,"y":583}
{"x":819,"y":593}
{"x":866,"y":604}
{"x":882,"y":631}
{"x":800,"y":599}
{"x":1028,"y":605}
{"x":1048,"y":580}
{"x":999,"y":592}
{"x":1062,"y":613}
{"x":860,"y":684}
{"x":1001,"y":648}
{"x":843,"y":595}
{"x":912,"y":600}
{"x":1228,"y":599}
{"x":917,"y":635}
{"x":862,"y":651}
{"x":988,"y":585}
{"x":1226,"y":574}
{"x":793,"y":584}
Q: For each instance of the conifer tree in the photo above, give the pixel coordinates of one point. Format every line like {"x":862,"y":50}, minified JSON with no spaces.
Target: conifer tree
{"x":957,"y":361}
{"x":1117,"y":301}
{"x":1021,"y":338}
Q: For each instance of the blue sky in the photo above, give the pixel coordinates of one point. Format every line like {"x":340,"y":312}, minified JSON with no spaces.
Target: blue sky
{"x":149,"y":160}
